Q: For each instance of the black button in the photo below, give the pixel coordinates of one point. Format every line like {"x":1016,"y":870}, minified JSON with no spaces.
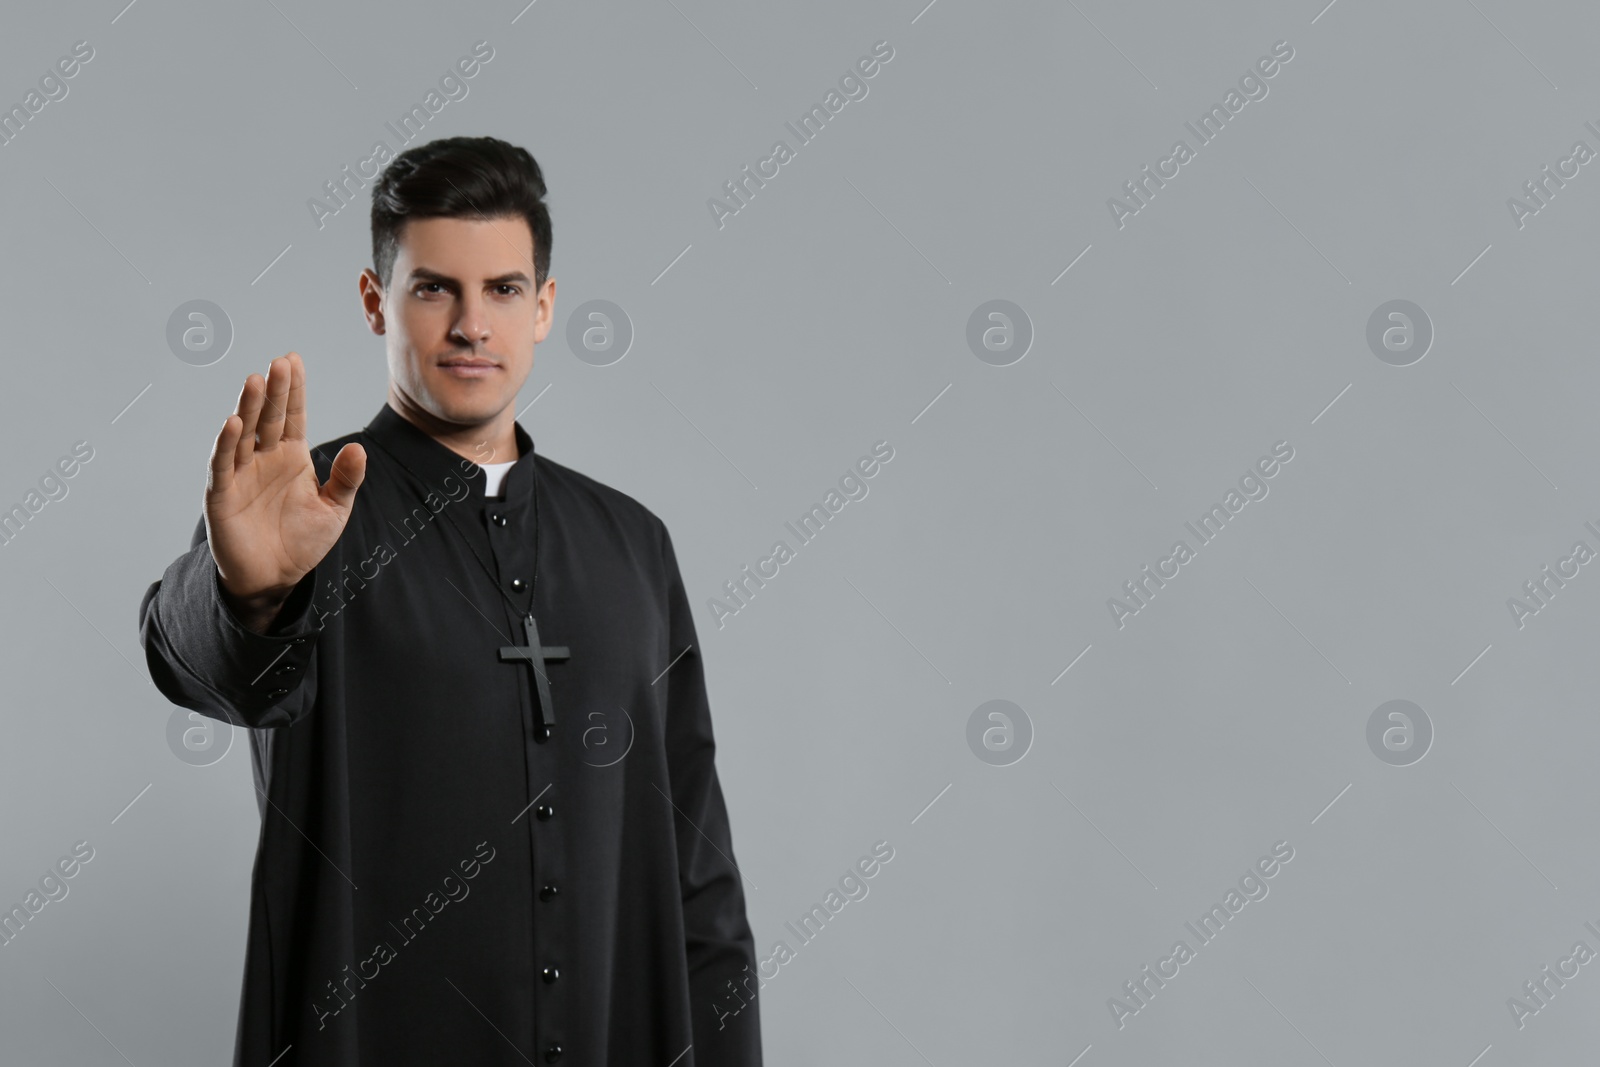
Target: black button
{"x":544,"y":812}
{"x":552,"y":1052}
{"x":550,"y":974}
{"x":498,"y":519}
{"x":301,"y":640}
{"x":548,"y":892}
{"x":541,"y":733}
{"x":518,"y":585}
{"x":277,"y":694}
{"x":288,"y":668}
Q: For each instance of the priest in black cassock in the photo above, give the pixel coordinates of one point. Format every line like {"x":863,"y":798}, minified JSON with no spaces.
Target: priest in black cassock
{"x":492,"y":829}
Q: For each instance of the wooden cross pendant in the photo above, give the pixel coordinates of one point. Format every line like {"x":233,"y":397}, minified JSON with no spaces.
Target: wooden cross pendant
{"x":535,"y":656}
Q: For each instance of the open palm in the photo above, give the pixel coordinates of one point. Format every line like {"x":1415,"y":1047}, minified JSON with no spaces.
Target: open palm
{"x":268,"y":522}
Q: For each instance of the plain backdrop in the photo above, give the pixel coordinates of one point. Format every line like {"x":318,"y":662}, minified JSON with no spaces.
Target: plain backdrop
{"x":833,"y":311}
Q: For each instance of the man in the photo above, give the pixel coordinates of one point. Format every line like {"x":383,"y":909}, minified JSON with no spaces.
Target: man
{"x":492,"y":828}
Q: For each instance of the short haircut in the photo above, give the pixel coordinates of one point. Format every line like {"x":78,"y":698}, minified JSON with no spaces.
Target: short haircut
{"x":459,"y":177}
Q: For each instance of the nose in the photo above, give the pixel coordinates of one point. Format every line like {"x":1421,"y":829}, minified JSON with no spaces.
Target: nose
{"x":471,"y":326}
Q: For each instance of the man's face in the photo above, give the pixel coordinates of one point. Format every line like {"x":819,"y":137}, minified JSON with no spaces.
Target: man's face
{"x":461,"y":291}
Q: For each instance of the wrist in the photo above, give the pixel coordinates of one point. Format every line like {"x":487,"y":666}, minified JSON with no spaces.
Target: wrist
{"x":256,"y":610}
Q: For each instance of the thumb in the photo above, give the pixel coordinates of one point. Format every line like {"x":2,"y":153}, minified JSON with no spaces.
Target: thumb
{"x":345,"y":476}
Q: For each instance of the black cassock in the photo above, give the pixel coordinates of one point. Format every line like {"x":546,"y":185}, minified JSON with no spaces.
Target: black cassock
{"x":439,"y":878}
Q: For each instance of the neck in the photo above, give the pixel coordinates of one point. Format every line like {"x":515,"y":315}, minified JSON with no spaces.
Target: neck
{"x":492,"y":441}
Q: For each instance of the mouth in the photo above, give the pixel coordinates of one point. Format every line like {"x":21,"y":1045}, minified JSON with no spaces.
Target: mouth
{"x":469,"y":368}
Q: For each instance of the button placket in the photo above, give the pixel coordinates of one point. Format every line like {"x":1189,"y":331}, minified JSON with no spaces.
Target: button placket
{"x":512,"y":555}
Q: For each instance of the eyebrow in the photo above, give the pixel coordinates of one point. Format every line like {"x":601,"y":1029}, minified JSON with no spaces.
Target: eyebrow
{"x":424,"y":274}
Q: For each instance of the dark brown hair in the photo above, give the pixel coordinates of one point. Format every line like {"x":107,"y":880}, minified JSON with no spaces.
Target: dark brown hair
{"x":459,"y":177}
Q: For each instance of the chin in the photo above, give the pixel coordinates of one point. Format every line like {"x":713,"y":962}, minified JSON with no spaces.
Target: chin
{"x":467,"y":403}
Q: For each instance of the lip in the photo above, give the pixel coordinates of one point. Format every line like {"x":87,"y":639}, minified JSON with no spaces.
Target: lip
{"x":469,"y":368}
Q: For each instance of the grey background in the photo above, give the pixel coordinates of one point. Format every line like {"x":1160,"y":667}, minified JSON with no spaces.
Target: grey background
{"x":1229,"y":314}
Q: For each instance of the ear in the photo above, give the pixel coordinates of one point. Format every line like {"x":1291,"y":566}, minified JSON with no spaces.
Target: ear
{"x":371,"y":290}
{"x":547,"y":311}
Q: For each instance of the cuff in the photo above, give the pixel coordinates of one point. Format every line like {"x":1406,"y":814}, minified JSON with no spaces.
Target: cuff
{"x":275,"y":662}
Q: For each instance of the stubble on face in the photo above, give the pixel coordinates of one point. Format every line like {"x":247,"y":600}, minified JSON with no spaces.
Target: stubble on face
{"x":463,"y":290}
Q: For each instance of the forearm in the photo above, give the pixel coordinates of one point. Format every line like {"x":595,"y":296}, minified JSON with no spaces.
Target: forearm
{"x":250,"y":663}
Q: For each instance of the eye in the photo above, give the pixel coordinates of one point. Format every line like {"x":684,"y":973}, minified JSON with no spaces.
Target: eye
{"x":514,"y":289}
{"x":428,"y":285}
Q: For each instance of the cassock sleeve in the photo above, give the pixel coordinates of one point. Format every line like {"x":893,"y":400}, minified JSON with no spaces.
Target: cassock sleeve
{"x":202,"y":657}
{"x":718,"y":942}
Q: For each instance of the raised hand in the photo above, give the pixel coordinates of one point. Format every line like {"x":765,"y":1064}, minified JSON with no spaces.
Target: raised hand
{"x":268,"y":522}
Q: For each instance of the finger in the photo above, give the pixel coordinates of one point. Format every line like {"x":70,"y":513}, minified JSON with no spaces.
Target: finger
{"x":345,"y":476}
{"x":249,"y":410}
{"x":220,"y":475}
{"x":270,"y":428}
{"x":294,"y":412}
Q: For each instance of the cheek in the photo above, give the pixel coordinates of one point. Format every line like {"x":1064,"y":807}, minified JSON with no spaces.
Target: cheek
{"x":424,"y":319}
{"x":518,"y":332}
{"x":406,"y":327}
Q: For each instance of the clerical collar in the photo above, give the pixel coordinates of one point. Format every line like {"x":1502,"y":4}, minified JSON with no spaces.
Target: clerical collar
{"x":496,"y":474}
{"x":435,"y":462}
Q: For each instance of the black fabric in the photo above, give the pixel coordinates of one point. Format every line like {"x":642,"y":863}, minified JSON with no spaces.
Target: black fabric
{"x":433,"y":882}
